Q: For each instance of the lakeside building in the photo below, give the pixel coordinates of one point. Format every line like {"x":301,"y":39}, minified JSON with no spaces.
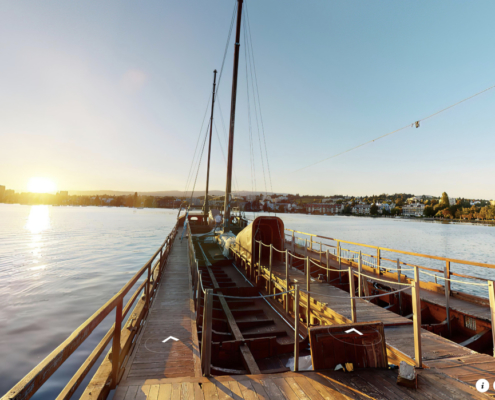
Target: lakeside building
{"x":384,"y":207}
{"x":413,"y":210}
{"x":361,"y":209}
{"x":325,"y":208}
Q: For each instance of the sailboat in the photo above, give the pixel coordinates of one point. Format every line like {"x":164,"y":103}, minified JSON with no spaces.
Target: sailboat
{"x":208,"y":318}
{"x":257,"y":320}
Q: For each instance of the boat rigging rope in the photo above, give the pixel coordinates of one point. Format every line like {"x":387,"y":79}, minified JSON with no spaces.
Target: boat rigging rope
{"x":313,"y":294}
{"x":191,"y":173}
{"x":454,"y":280}
{"x":415,"y":123}
{"x":258,"y":95}
{"x":253,"y":297}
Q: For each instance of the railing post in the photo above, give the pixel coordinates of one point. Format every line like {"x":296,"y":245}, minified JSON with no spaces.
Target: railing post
{"x":206,"y":334}
{"x":259,"y":264}
{"x":116,"y":344}
{"x":321,"y":250}
{"x":147,"y":287}
{"x":491,"y":295}
{"x":198,"y":293}
{"x":293,"y":248}
{"x":308,"y":287}
{"x":340,"y":261}
{"x":416,"y":303}
{"x":446,"y":273}
{"x":400,"y":293}
{"x":360,"y":269}
{"x":352,"y":293}
{"x":328,"y":266}
{"x":306,"y":248}
{"x":296,"y":327}
{"x":270,"y":270}
{"x":287,"y":281}
{"x":378,"y":259}
{"x":311,"y":243}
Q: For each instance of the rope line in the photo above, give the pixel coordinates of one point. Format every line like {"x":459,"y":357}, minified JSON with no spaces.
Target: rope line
{"x":253,"y":297}
{"x":348,"y":297}
{"x":454,"y":280}
{"x":383,"y":280}
{"x":397,"y":130}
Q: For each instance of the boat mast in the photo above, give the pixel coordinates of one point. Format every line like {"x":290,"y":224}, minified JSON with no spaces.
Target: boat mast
{"x":206,"y":205}
{"x":228,"y":189}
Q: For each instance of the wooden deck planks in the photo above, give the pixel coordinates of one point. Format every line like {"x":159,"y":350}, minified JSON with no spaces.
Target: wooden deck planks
{"x":362,"y":384}
{"x":400,"y":341}
{"x":170,"y":315}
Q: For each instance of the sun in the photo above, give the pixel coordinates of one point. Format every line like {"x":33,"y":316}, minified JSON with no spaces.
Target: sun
{"x":41,"y":185}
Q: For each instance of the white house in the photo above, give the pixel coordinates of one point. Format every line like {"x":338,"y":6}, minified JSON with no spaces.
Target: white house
{"x":361,"y":209}
{"x":413,"y":210}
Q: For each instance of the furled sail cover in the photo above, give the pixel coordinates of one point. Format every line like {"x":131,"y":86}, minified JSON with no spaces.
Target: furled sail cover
{"x":270,"y":230}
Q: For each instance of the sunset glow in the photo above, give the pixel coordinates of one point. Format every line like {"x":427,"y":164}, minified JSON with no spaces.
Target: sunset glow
{"x":41,"y":185}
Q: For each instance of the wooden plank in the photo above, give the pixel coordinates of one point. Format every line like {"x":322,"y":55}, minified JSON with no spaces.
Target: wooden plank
{"x":236,"y":390}
{"x":154,"y":390}
{"x":176,"y":391}
{"x":165,"y":392}
{"x":260,"y":391}
{"x":307,"y":388}
{"x":187,"y":392}
{"x":198,"y":392}
{"x":247,"y":390}
{"x":249,"y":361}
{"x":120,"y":393}
{"x":223,"y":390}
{"x":143,"y":392}
{"x":297,"y":389}
{"x":210,"y":391}
{"x":272,"y":390}
{"x":131,"y":393}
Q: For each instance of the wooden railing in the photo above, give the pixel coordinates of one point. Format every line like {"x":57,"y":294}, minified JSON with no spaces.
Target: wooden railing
{"x":337,"y":251}
{"x":121,"y":338}
{"x":247,"y":256}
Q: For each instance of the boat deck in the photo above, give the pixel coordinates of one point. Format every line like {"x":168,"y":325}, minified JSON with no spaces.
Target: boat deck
{"x":171,"y":370}
{"x":171,"y":314}
{"x":456,"y":361}
{"x":325,"y":384}
{"x":472,"y":309}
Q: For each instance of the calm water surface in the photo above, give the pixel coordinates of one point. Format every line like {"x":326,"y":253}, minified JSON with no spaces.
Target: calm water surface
{"x":58,"y":265}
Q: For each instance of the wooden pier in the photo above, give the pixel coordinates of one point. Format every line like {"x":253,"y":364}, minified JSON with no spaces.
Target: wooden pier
{"x":363,"y":384}
{"x":330,"y":305}
{"x":151,"y":367}
{"x":171,"y":315}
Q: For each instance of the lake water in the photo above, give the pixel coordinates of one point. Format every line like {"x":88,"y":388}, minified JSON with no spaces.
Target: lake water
{"x":58,"y":265}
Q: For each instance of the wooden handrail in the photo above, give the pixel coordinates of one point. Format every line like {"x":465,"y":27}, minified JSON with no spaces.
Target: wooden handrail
{"x":446,"y":259}
{"x":28,"y":385}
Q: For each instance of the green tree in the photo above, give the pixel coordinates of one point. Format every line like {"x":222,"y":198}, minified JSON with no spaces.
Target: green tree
{"x":374,"y":209}
{"x":135,"y":202}
{"x":429,"y":211}
{"x":444,"y":201}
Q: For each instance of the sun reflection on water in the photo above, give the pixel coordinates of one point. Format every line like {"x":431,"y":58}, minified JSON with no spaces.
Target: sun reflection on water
{"x":38,"y":220}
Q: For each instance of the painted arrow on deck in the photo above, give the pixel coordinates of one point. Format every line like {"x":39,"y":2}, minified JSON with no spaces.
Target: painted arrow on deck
{"x":355,"y":330}
{"x":170,"y":337}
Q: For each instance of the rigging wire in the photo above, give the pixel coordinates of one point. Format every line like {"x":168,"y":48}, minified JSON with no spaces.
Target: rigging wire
{"x":415,"y":123}
{"x":235,"y":182}
{"x":199,"y":164}
{"x":191,"y":173}
{"x":191,"y":169}
{"x":258,"y":95}
{"x":251,"y":151}
{"x":248,"y":65}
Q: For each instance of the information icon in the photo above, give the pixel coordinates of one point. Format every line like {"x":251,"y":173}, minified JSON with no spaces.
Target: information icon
{"x":482,"y":385}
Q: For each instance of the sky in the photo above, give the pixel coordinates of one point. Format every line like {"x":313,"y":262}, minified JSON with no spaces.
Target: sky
{"x":111,"y":95}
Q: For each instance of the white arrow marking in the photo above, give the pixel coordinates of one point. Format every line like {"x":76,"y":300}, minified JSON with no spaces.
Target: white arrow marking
{"x":355,"y":330}
{"x":170,"y":337}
